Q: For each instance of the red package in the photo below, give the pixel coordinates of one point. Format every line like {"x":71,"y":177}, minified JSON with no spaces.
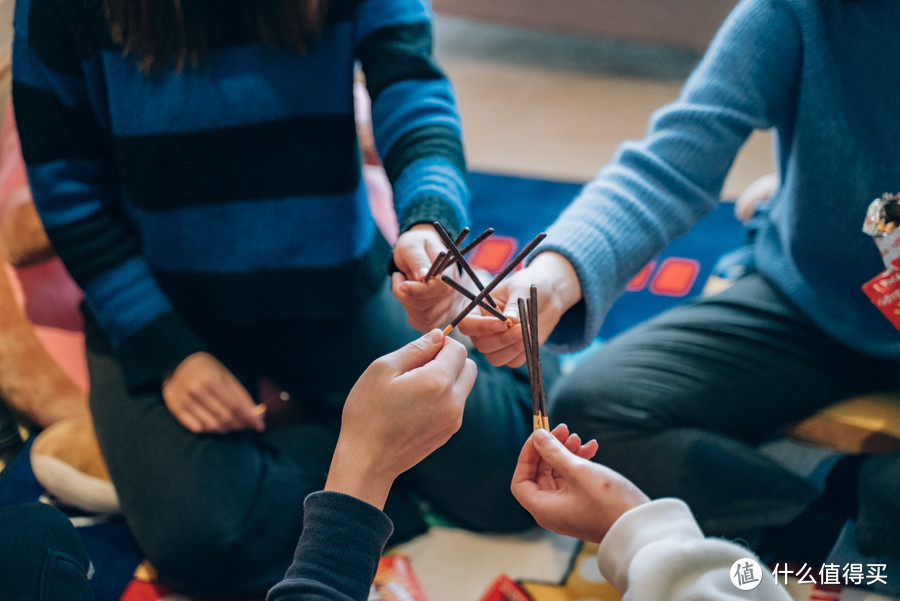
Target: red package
{"x":504,"y":588}
{"x":884,"y":291}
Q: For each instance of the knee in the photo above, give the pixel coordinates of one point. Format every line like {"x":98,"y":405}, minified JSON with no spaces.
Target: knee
{"x":877,"y":530}
{"x":566,"y":404}
{"x":584,"y":404}
{"x":40,"y":550}
{"x":603,"y":403}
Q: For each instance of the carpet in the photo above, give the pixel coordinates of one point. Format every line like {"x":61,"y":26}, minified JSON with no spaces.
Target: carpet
{"x":518,"y":208}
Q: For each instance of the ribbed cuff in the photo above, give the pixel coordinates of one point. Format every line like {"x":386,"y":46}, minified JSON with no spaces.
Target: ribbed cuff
{"x":429,"y":209}
{"x":156,"y":350}
{"x":341,"y":544}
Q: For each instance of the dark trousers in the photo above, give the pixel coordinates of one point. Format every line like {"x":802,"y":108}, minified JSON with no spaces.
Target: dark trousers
{"x":41,"y":556}
{"x":679,"y":404}
{"x":222,"y":513}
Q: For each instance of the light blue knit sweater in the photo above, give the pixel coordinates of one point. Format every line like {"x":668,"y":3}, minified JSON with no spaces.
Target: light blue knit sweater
{"x":825,"y":74}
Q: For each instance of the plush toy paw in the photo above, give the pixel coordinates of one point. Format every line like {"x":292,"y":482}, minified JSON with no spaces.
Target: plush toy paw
{"x":32,"y":383}
{"x":26,"y":242}
{"x":66,"y":461}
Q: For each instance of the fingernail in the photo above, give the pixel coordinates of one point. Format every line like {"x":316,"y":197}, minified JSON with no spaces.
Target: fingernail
{"x":434,"y":336}
{"x":423,"y":272}
{"x":541,"y":435}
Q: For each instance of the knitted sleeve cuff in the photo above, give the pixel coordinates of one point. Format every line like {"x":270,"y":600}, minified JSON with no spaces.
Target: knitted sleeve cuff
{"x":152,"y":353}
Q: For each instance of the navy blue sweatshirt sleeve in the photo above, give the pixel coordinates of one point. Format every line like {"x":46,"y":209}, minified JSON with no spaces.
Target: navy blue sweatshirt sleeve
{"x":338,"y":552}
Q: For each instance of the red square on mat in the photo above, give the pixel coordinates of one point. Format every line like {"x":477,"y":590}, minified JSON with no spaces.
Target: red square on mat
{"x":675,"y":277}
{"x":640,"y":280}
{"x":493,"y":254}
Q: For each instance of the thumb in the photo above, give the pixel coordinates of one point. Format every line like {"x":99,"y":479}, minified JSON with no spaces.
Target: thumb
{"x":417,"y":261}
{"x":552,"y":451}
{"x":515,"y":292}
{"x":418,"y":352}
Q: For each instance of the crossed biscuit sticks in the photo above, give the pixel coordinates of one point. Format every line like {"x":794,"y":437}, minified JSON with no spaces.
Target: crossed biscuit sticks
{"x":528,"y":312}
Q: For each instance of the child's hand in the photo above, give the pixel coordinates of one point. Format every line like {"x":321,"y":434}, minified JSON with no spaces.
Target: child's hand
{"x":415,"y":251}
{"x":567,"y":493}
{"x":429,"y":304}
{"x":402,"y":408}
{"x":558,"y":290}
{"x":204,"y":396}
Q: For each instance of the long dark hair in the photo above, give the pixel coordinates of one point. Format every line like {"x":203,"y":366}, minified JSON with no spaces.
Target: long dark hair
{"x":184,"y":31}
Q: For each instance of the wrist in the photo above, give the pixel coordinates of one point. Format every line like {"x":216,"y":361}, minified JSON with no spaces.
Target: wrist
{"x":564,"y":279}
{"x":357,"y":474}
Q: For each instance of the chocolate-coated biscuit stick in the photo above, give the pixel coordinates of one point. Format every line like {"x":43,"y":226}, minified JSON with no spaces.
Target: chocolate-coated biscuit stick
{"x":450,"y":259}
{"x":452,"y":249}
{"x":462,"y":290}
{"x":440,"y":261}
{"x":495,"y":282}
{"x":537,"y":421}
{"x":536,"y":356}
{"x":435,"y":267}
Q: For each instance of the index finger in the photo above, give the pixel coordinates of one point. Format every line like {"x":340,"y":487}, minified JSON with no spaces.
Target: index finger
{"x":236,"y":396}
{"x":481,"y":325}
{"x":510,"y":341}
{"x":428,"y":290}
{"x":450,"y":359}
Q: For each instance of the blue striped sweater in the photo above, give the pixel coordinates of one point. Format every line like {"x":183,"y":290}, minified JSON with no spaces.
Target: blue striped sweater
{"x":230,"y":191}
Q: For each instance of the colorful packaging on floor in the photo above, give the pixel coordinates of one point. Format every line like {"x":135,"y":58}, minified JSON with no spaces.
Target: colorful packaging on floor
{"x":395,"y":581}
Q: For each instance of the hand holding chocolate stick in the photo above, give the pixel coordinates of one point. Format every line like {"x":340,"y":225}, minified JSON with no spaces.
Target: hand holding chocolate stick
{"x":461,"y":260}
{"x":495,"y":282}
{"x":528,"y":319}
{"x":462,"y":290}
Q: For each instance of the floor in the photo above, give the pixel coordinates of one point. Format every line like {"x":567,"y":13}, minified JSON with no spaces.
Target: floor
{"x":556,"y":107}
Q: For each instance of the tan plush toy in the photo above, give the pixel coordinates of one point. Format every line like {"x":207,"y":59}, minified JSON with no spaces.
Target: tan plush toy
{"x":43,"y":376}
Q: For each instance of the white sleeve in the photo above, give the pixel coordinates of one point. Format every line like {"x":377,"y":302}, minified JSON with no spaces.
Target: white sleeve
{"x":656,"y":552}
